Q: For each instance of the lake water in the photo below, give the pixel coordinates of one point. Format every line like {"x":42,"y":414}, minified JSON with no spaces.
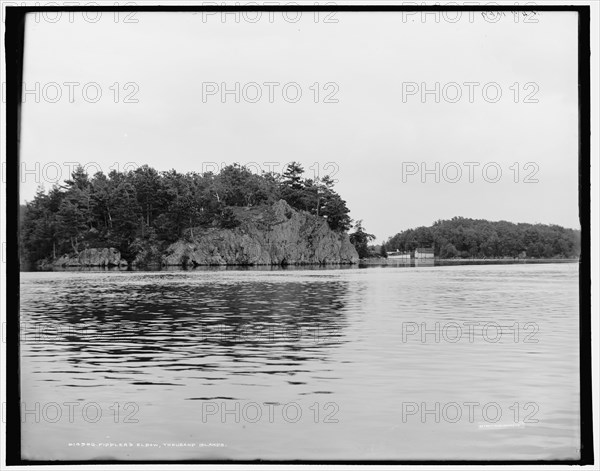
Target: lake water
{"x":395,"y":363}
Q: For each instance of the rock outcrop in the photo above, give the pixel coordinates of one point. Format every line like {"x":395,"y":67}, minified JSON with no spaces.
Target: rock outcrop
{"x":268,"y":235}
{"x":275,"y":235}
{"x":107,"y":257}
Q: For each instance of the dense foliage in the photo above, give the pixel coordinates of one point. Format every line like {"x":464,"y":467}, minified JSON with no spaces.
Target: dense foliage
{"x":144,"y":209}
{"x":462,"y":237}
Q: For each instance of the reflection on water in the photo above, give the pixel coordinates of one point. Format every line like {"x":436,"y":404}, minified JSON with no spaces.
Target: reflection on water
{"x":373,"y":363}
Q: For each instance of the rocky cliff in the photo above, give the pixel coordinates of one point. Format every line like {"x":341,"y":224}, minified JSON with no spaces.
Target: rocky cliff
{"x":268,"y":235}
{"x":88,"y":258}
{"x":275,"y":235}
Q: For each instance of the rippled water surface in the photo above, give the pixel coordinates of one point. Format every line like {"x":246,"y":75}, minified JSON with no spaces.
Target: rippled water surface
{"x":453,"y":362}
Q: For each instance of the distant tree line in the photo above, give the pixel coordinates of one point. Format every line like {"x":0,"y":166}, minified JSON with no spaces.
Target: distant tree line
{"x":136,"y":209}
{"x":465,"y":238}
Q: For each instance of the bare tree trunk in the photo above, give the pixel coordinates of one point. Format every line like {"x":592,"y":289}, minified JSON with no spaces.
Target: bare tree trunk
{"x":89,"y":211}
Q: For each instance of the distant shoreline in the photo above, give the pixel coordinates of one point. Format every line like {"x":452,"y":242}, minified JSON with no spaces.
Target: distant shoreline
{"x":455,"y":261}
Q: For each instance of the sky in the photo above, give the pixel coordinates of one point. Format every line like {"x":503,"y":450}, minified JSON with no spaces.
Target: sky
{"x":495,"y":136}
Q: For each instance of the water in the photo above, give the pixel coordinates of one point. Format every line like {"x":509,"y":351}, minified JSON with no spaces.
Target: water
{"x":302,"y":364}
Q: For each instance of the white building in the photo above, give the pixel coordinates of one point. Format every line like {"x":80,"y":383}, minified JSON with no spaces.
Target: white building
{"x":424,"y":252}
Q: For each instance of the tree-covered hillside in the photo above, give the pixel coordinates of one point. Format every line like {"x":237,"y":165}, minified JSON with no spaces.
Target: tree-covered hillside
{"x":462,"y":237}
{"x":144,"y":208}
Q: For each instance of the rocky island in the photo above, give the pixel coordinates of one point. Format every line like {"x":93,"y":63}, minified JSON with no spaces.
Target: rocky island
{"x":275,"y":235}
{"x":147,"y":219}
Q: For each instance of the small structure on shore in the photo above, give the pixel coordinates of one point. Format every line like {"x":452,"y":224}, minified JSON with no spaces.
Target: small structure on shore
{"x":424,"y":252}
{"x":398,"y":254}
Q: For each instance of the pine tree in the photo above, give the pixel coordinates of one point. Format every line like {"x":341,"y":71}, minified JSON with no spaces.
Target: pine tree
{"x":360,"y":239}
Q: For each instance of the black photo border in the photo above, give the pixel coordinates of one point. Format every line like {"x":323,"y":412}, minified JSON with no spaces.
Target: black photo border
{"x":14,"y":46}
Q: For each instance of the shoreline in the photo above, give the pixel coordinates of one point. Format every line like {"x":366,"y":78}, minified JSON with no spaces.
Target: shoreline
{"x":334,"y":266}
{"x":442,"y":261}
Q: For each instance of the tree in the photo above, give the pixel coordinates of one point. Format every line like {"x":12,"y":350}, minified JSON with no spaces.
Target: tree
{"x":383,"y":251}
{"x":293,"y":188}
{"x":360,"y":239}
{"x":38,"y":230}
{"x":292,"y":176}
{"x":71,"y":222}
{"x":448,"y":251}
{"x":336,"y":212}
{"x":146,"y":182}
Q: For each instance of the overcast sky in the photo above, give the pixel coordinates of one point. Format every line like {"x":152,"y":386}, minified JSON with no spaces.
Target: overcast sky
{"x":369,"y":129}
